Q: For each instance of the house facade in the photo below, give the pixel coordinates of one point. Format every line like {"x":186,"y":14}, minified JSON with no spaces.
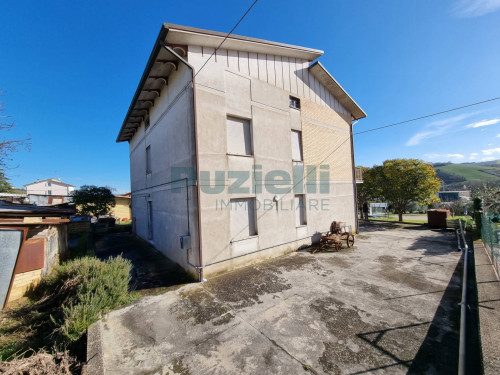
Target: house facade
{"x":241,"y":158}
{"x":49,"y":191}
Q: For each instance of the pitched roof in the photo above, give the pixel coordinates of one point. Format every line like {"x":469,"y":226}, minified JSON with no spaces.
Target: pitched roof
{"x":51,"y":180}
{"x":319,"y":71}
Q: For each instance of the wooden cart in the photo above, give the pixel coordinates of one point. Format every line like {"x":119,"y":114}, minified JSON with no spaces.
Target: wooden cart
{"x":332,"y":240}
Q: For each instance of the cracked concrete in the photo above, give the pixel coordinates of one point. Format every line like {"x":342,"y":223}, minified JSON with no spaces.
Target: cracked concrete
{"x":386,"y":307}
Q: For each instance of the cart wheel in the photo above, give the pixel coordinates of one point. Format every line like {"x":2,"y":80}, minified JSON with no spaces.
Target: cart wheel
{"x":350,"y":240}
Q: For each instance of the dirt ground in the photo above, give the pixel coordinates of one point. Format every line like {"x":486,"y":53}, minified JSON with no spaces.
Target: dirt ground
{"x":388,"y":306}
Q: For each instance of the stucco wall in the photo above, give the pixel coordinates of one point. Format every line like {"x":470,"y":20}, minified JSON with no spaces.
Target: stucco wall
{"x":122,"y":209}
{"x":40,"y":188}
{"x":222,"y":90}
{"x":174,"y":205}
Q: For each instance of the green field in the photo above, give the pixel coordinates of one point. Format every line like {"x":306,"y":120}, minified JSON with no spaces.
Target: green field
{"x":472,"y":172}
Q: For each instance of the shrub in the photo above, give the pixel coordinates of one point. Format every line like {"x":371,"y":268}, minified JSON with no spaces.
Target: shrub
{"x":86,"y":288}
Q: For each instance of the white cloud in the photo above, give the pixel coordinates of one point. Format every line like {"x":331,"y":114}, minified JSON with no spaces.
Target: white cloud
{"x":491,"y":151}
{"x":488,"y":158}
{"x":436,"y":128}
{"x":483,"y":123}
{"x":498,"y":135}
{"x":443,"y":156}
{"x":473,"y":155}
{"x":475,"y":8}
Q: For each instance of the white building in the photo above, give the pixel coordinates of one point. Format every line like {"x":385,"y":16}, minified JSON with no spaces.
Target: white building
{"x":253,"y":160}
{"x":49,"y":191}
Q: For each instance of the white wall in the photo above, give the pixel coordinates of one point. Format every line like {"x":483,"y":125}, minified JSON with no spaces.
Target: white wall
{"x":288,"y":73}
{"x":56,"y":188}
{"x":171,"y":138}
{"x":248,"y":87}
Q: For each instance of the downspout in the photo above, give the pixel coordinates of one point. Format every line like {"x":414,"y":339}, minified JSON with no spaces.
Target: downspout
{"x":195,"y":121}
{"x":354,"y":187}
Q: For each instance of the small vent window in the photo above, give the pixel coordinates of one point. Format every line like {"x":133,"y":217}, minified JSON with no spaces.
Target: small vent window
{"x":148,"y":160}
{"x":294,"y":102}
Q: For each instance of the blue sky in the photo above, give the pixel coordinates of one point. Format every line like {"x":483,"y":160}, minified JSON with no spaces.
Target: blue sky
{"x":69,"y":70}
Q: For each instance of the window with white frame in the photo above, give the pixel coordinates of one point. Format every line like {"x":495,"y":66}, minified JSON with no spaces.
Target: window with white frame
{"x":243,"y":218}
{"x":300,"y":210}
{"x":239,"y":136}
{"x":148,"y":160}
{"x":296,"y":145}
{"x":49,"y":192}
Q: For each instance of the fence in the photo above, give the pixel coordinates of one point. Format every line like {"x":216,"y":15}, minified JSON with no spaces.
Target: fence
{"x":490,"y":233}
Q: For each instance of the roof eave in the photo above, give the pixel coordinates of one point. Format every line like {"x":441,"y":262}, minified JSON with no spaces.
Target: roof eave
{"x":320,"y":72}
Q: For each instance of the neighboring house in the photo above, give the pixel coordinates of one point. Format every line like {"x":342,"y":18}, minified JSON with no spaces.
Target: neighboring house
{"x":217,"y":167}
{"x":453,"y":196}
{"x":49,"y":191}
{"x":121,"y":210}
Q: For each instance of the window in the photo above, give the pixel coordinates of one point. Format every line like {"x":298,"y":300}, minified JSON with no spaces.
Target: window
{"x":239,"y":136}
{"x":48,"y":184}
{"x":294,"y":102}
{"x":49,"y":192}
{"x":243,"y":223}
{"x":296,"y":145}
{"x":148,"y":160}
{"x":146,"y":123}
{"x":300,"y":210}
{"x":150,"y":220}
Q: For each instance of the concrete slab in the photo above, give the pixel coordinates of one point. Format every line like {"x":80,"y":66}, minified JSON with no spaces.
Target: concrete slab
{"x":388,"y":306}
{"x":488,"y":291}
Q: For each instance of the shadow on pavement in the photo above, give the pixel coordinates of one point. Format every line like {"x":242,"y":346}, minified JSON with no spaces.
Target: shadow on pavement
{"x":439,"y":351}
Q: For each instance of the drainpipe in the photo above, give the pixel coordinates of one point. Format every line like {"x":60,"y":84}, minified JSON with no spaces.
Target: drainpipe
{"x":354,"y":187}
{"x":195,"y":120}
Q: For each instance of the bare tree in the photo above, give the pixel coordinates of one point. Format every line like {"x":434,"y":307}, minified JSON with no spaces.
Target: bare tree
{"x":9,"y":146}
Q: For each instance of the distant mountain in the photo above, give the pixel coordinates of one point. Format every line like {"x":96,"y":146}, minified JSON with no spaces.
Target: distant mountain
{"x":456,"y":176}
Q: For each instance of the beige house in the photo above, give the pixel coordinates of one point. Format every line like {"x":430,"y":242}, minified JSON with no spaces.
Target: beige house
{"x":121,"y":210}
{"x":241,"y":158}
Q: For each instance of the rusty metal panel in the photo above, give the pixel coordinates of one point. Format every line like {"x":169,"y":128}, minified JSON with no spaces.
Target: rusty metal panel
{"x":31,"y":256}
{"x":9,"y":253}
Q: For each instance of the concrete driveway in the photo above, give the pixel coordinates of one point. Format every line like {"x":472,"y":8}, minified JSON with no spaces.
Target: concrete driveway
{"x":388,"y":306}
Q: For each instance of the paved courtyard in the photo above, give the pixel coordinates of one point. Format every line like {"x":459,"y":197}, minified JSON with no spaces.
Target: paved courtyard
{"x":388,"y":306}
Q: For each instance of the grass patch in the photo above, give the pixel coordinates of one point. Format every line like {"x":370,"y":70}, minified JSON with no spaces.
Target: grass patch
{"x":64,"y":305}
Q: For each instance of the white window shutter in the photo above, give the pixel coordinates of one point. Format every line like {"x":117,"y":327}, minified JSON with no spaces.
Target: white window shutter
{"x":296,"y":146}
{"x":239,"y":139}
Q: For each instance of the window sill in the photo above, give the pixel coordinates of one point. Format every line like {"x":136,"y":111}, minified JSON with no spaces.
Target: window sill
{"x":245,"y":156}
{"x":301,"y":226}
{"x":244,"y":239}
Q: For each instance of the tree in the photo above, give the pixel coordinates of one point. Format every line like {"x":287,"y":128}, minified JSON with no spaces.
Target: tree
{"x":94,"y":200}
{"x":8,"y":146}
{"x":363,"y":194}
{"x":489,"y":196}
{"x":401,"y":181}
{"x":5,"y":186}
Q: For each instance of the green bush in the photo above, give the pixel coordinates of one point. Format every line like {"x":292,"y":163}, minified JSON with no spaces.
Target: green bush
{"x":92,"y":288}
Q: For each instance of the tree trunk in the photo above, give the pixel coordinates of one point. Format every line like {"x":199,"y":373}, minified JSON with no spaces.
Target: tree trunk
{"x":400,"y":215}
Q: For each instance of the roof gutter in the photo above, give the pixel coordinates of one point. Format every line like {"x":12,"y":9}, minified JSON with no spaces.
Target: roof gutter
{"x":198,"y":188}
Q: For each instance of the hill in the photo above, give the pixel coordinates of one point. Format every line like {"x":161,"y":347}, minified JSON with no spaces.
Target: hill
{"x":455,"y":176}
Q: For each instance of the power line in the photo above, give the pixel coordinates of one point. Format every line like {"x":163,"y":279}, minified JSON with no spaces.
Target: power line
{"x":426,"y":116}
{"x":190,"y":82}
{"x":227,"y":36}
